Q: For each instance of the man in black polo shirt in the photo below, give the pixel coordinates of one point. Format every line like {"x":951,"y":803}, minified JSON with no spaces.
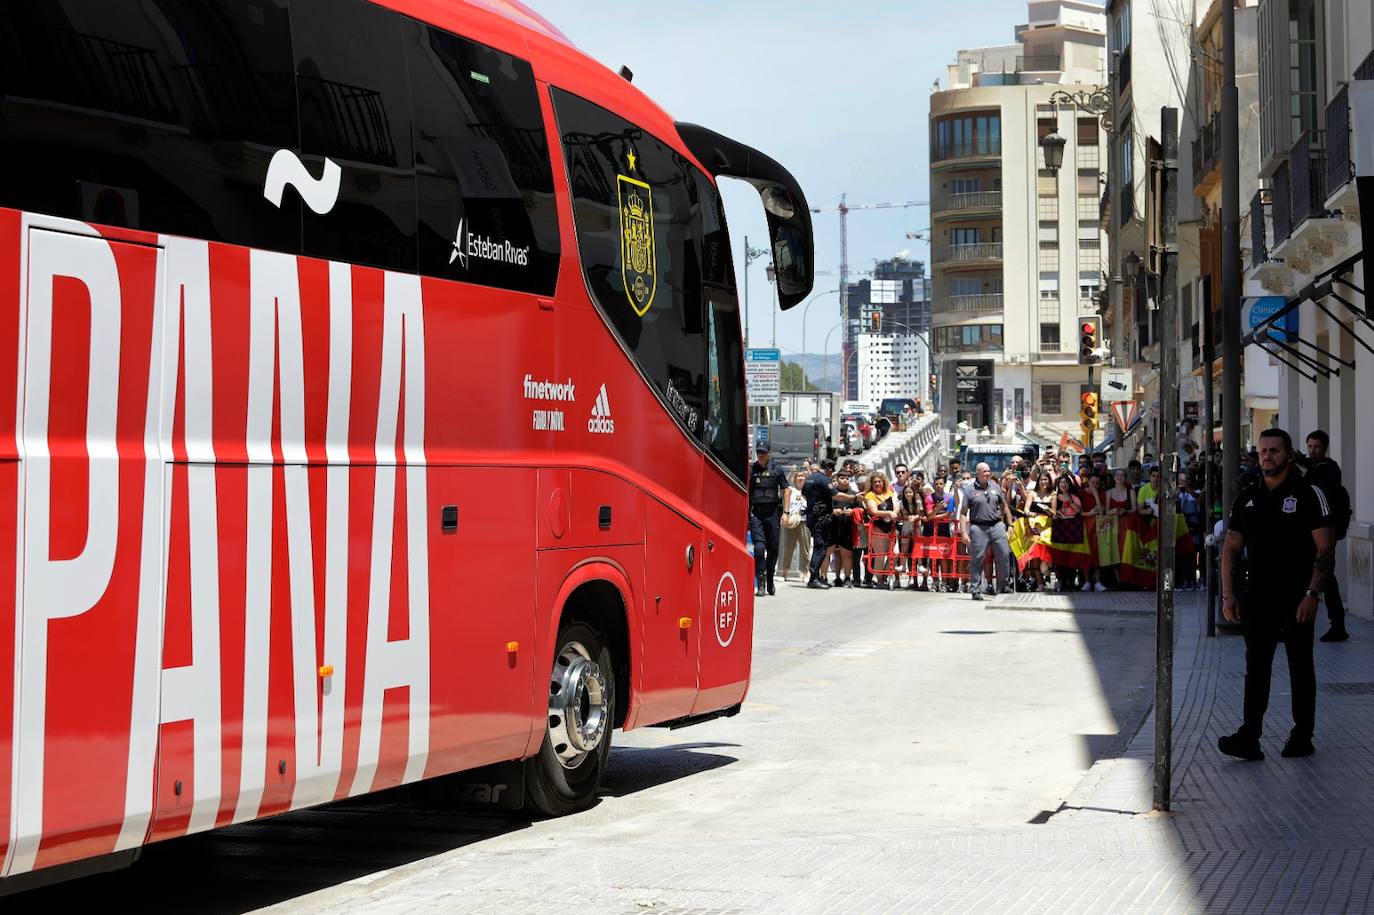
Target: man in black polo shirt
{"x":1326,"y":473}
{"x":1284,"y":525}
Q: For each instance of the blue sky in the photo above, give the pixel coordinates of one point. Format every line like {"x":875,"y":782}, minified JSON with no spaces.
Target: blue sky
{"x":837,"y":92}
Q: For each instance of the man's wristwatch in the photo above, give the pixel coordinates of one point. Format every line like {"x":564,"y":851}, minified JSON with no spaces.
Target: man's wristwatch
{"x":1310,"y":593}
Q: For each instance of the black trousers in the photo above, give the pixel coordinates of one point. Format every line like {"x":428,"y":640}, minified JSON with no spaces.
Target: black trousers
{"x":766,"y":532}
{"x":1263,"y":634}
{"x":820,"y":541}
{"x":1335,"y":607}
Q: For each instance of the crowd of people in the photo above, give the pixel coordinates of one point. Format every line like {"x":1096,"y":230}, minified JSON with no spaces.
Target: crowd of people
{"x":1063,"y":522}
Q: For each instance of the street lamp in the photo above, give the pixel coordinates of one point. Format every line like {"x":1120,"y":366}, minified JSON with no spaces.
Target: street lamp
{"x":1132,"y":267}
{"x":1053,"y":144}
{"x":806,"y":308}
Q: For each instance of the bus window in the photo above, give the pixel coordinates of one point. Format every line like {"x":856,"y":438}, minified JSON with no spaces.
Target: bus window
{"x":153,"y":116}
{"x":725,"y":428}
{"x":638,"y":207}
{"x":483,"y":175}
{"x":354,"y":99}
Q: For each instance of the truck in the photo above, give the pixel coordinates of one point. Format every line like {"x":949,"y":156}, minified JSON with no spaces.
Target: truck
{"x":818,"y":407}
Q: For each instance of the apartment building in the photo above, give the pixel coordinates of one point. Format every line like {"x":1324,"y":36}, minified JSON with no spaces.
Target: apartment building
{"x":1307,"y":243}
{"x":1017,"y":248}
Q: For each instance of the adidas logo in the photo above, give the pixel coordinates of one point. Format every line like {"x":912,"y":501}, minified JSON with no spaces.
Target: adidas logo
{"x":601,"y":421}
{"x":1250,"y":504}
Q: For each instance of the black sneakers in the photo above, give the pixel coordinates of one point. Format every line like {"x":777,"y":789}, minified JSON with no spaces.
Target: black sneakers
{"x":818,"y":584}
{"x":771,"y":589}
{"x":1298,"y":746}
{"x":1241,"y":747}
{"x":1335,"y":635}
{"x":758,"y":588}
{"x":977,"y":595}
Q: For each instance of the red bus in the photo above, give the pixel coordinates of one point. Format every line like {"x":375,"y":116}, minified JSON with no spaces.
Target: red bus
{"x":373,"y":411}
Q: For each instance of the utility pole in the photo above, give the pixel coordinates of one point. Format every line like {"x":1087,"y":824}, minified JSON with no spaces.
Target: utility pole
{"x":1168,"y":447}
{"x":747,"y":258}
{"x":1209,"y":481}
{"x":1230,"y":263}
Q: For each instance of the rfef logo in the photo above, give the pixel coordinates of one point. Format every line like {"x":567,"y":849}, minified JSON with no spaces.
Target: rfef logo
{"x":725,"y":617}
{"x":601,"y":421}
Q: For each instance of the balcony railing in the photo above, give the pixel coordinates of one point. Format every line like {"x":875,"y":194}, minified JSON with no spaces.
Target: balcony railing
{"x":974,"y":200}
{"x":1308,"y":160}
{"x":1366,"y":68}
{"x":964,"y":254}
{"x":1282,"y":208}
{"x":971,"y":149}
{"x":1038,"y":62}
{"x":1339,"y":168}
{"x":1259,"y":251}
{"x":1206,"y":147}
{"x":976,"y":304}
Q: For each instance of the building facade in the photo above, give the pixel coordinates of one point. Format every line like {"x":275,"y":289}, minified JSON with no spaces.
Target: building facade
{"x":1307,"y":247}
{"x":893,"y":365}
{"x":1017,"y":248}
{"x":896,"y":300}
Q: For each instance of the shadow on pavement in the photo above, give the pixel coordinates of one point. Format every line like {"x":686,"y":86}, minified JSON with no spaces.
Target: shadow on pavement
{"x":245,"y":867}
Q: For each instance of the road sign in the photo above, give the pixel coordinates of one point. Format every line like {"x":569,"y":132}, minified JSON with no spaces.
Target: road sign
{"x":1125,"y":411}
{"x":1117,"y":384}
{"x":763,"y":377}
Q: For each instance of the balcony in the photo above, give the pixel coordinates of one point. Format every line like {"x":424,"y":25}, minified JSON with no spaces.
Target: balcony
{"x":979,"y":253}
{"x":1366,"y":68}
{"x":1274,"y":275}
{"x":1340,"y":167}
{"x":1206,"y":150}
{"x":971,"y":200}
{"x":1308,"y":160}
{"x":1259,"y":250}
{"x":1282,"y":209}
{"x":982,"y":303}
{"x":989,"y":148}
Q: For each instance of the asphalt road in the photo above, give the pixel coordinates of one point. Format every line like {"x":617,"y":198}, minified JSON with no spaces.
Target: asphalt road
{"x":869,"y":712}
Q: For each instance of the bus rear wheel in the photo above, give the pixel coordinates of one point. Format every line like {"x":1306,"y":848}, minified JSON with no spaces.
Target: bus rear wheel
{"x":566,"y":773}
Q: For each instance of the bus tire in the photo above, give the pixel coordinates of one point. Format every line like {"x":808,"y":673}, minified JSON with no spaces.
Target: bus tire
{"x":565,"y":775}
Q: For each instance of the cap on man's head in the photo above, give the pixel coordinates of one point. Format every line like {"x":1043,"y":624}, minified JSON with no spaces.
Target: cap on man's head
{"x":762,"y":448}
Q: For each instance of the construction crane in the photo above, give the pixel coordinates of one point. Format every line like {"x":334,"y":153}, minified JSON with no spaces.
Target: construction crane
{"x":844,"y":209}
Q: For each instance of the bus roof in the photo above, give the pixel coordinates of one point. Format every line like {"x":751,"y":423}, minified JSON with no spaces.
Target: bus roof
{"x":511,"y":26}
{"x":1003,"y":448}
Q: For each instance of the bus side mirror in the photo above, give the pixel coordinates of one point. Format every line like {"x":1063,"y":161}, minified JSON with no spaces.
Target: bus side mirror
{"x":784,"y":205}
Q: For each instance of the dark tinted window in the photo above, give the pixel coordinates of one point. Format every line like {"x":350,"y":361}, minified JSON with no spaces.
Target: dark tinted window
{"x":486,"y":206}
{"x":354,"y":96}
{"x":642,"y":213}
{"x":725,"y":417}
{"x":150,"y":114}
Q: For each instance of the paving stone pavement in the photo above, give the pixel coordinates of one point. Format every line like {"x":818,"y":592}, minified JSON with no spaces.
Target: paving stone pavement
{"x":1275,"y":836}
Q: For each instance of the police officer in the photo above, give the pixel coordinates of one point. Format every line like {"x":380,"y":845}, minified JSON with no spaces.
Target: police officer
{"x":819,"y":494}
{"x":1284,"y":524}
{"x":985,"y":516}
{"x":766,"y":484}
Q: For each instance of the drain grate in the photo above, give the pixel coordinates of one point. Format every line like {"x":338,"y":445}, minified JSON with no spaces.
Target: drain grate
{"x":1346,"y":689}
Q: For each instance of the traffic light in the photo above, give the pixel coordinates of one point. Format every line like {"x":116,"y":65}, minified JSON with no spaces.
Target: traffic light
{"x":1089,"y":340}
{"x":1087,"y":415}
{"x":877,"y":322}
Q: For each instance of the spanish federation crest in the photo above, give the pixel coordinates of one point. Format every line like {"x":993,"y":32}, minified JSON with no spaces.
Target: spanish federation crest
{"x":1290,"y":505}
{"x":638,"y":265}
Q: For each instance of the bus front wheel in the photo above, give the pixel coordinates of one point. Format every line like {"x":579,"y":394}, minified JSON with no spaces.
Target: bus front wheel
{"x":566,"y":773}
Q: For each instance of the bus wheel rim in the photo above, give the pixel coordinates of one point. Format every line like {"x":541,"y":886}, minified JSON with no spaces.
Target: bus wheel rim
{"x":578,"y":705}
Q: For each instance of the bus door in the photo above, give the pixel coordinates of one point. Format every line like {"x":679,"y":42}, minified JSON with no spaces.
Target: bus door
{"x":671,"y":606}
{"x":84,"y":566}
